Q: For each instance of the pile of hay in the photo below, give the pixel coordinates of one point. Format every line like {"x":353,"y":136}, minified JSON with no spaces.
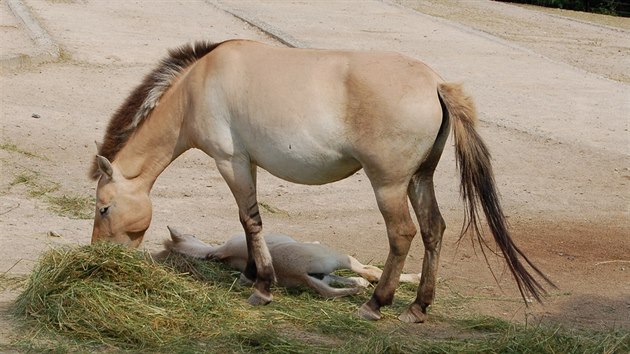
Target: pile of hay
{"x":109,"y":294}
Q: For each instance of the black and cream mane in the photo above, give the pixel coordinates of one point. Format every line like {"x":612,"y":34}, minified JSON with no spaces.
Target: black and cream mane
{"x":145,"y":97}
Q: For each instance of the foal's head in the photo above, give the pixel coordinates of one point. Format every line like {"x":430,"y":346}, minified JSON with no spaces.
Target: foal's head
{"x":123,"y":210}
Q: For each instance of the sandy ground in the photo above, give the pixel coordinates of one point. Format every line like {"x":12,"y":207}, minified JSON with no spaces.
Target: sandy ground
{"x":552,"y":92}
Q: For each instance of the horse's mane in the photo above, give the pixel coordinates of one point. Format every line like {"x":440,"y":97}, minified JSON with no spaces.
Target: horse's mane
{"x":145,"y":97}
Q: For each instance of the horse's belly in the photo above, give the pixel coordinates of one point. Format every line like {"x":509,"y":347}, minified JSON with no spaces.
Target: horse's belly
{"x":308,"y":168}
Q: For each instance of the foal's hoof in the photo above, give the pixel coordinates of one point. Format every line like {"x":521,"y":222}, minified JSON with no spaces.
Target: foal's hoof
{"x":245,"y":281}
{"x":358,"y":281}
{"x":413,"y":314}
{"x":258,"y":298}
{"x":366,"y":313}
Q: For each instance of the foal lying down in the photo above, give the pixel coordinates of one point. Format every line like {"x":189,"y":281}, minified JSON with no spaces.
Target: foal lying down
{"x":295,"y":263}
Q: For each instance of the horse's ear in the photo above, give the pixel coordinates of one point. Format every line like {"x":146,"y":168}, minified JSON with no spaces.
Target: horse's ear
{"x":98,"y":146}
{"x":104,"y":166}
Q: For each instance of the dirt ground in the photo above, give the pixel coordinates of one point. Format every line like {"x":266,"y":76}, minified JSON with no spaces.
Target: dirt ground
{"x":552,"y":91}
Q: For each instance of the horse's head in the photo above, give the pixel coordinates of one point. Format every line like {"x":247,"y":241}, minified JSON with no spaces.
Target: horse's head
{"x":123,"y":209}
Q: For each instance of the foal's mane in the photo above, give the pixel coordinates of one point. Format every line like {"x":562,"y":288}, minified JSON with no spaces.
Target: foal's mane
{"x":145,"y":97}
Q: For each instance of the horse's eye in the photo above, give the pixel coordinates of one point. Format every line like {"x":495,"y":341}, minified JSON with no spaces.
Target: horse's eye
{"x":103,"y":210}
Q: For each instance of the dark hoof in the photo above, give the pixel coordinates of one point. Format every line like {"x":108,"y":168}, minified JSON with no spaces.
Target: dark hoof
{"x":413,"y":314}
{"x":367,"y":313}
{"x":258,"y":298}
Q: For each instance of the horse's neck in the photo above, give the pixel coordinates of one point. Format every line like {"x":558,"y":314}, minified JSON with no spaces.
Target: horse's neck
{"x":156,"y":143}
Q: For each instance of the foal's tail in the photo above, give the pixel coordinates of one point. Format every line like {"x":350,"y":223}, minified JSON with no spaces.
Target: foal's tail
{"x":478,"y":189}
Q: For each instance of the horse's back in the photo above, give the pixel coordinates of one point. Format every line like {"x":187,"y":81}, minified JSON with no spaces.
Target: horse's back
{"x":315,"y":116}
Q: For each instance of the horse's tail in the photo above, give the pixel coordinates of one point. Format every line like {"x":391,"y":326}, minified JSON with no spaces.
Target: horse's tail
{"x":188,"y":245}
{"x":478,"y":188}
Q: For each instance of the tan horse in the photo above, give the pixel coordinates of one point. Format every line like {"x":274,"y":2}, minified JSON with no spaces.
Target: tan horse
{"x":295,"y":263}
{"x":311,"y":117}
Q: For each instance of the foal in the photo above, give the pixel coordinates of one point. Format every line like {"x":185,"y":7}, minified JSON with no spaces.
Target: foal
{"x":296,"y":263}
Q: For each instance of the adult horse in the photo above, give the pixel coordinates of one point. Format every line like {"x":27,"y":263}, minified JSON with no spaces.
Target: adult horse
{"x":310,"y":117}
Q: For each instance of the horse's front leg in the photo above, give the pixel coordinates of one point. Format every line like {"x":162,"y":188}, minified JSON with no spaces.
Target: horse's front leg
{"x":241,"y":178}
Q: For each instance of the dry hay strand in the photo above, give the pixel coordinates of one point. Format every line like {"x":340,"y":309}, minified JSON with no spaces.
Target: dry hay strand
{"x":112,"y":295}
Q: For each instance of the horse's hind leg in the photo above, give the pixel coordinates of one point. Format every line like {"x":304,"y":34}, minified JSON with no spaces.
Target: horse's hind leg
{"x":392,"y":202}
{"x":422,"y":196}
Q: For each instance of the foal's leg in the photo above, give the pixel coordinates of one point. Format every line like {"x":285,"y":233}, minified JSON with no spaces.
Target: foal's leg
{"x":392,"y":202}
{"x":325,"y":290}
{"x":240,"y":176}
{"x":373,"y":274}
{"x":346,"y":281}
{"x":422,"y":196}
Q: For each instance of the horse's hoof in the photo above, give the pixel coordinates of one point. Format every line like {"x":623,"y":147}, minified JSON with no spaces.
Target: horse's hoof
{"x":413,"y":314}
{"x":366,"y":313}
{"x":258,"y":299}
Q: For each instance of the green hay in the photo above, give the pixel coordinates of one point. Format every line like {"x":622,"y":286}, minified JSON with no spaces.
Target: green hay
{"x":105,"y":297}
{"x":108,"y":294}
